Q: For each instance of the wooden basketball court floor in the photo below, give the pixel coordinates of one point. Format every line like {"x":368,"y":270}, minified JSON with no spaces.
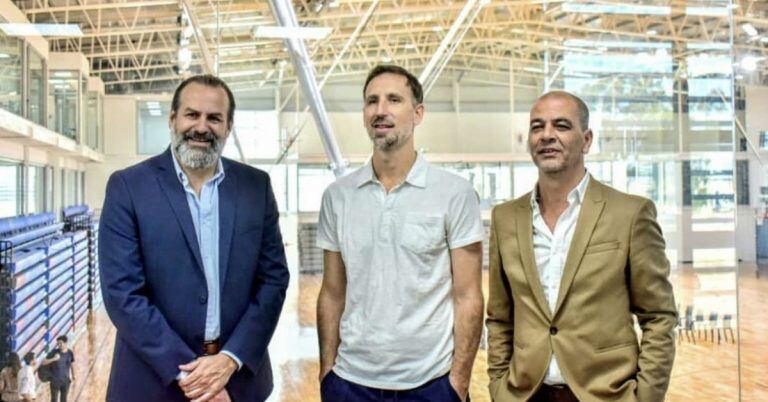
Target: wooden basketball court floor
{"x":704,"y":371}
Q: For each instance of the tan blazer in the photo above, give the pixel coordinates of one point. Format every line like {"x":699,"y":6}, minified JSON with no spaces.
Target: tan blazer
{"x":616,"y":268}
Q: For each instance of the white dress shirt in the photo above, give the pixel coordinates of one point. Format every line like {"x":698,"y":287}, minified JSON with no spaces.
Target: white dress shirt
{"x":551,"y":250}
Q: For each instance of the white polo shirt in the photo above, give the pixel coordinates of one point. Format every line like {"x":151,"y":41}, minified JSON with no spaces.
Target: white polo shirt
{"x":397,"y":327}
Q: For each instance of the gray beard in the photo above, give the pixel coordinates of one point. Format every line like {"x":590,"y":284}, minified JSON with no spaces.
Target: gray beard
{"x":194,"y":158}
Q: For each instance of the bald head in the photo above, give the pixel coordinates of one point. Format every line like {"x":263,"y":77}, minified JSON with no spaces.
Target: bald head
{"x":581,"y":107}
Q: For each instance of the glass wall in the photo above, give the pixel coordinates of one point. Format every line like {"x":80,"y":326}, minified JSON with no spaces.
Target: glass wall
{"x":35,"y":87}
{"x":154,"y":135}
{"x":258,"y":135}
{"x":70,"y":188}
{"x":10,"y":188}
{"x":10,"y":73}
{"x":94,"y":120}
{"x":63,"y":104}
{"x":34,"y":191}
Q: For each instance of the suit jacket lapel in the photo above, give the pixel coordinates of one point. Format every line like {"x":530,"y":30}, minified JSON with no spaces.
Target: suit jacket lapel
{"x":524,"y":221}
{"x":177,"y":198}
{"x":227,"y":208}
{"x":591,"y":208}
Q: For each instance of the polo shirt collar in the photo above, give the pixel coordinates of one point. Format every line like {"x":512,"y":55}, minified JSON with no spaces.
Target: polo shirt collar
{"x":416,"y":177}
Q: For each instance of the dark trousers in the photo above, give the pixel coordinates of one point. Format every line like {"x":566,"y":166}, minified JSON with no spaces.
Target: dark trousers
{"x":549,"y":393}
{"x":59,"y":391}
{"x":336,"y":389}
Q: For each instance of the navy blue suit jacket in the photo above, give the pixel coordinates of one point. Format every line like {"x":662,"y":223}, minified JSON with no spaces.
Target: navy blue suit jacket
{"x":155,"y":290}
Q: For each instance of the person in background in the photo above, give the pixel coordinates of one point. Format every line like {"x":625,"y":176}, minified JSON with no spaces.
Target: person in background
{"x":62,"y":372}
{"x":27,"y":379}
{"x":9,"y":379}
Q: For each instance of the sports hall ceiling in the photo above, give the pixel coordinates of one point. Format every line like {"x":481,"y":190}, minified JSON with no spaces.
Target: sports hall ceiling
{"x":133,"y":45}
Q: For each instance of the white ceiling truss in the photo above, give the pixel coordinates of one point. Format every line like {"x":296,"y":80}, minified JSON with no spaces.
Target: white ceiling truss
{"x":133,"y":45}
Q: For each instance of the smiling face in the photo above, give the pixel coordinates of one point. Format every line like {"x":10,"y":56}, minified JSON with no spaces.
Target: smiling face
{"x":390,"y":114}
{"x":199,"y":128}
{"x":556,"y":140}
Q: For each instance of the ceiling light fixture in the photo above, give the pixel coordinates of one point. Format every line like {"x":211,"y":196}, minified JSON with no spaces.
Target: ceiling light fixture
{"x":26,"y":29}
{"x":749,"y":29}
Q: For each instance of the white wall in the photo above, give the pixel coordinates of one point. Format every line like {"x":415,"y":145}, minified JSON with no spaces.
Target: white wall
{"x":120,"y":146}
{"x":439,"y":133}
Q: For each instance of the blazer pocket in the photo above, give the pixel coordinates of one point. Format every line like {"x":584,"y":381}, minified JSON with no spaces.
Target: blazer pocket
{"x":622,"y":345}
{"x":600,"y":247}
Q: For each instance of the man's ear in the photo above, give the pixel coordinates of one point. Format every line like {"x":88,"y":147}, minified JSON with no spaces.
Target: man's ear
{"x":588,"y":136}
{"x":419,"y":111}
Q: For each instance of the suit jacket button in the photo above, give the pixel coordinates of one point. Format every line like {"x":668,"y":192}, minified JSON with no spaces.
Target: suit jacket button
{"x":553,"y":330}
{"x":203,"y":299}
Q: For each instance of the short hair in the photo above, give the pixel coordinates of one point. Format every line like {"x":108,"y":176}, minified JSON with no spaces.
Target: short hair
{"x":209,"y":81}
{"x":62,"y":338}
{"x":581,"y":107}
{"x":416,"y":89}
{"x":29,"y":357}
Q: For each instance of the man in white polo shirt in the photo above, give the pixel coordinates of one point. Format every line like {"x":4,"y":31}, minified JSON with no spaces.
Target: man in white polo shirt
{"x":400,"y":309}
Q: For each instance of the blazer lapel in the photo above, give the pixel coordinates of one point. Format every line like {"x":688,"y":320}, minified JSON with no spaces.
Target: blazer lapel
{"x":227,"y":209}
{"x":591,"y":208}
{"x":524,"y":236}
{"x":177,"y":198}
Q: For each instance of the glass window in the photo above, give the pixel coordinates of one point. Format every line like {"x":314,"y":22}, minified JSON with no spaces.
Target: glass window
{"x":36,"y":88}
{"x":48,"y":188}
{"x":258,"y":133}
{"x":82,"y":101}
{"x":93,"y":121}
{"x":81,"y":190}
{"x":711,"y":186}
{"x":154,"y":135}
{"x":525,"y":176}
{"x":69,"y":188}
{"x":313,"y":180}
{"x":63,"y":107}
{"x":34,"y":192}
{"x":10,"y":189}
{"x":10,"y":77}
{"x":492,"y":182}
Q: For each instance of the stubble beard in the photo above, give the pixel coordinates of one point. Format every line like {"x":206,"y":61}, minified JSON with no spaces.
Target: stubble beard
{"x":389,"y":143}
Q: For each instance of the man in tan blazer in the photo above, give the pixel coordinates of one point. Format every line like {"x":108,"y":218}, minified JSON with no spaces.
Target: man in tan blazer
{"x":571,"y":263}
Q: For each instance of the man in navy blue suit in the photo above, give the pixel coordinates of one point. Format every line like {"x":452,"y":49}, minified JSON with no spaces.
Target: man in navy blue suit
{"x":193,"y":268}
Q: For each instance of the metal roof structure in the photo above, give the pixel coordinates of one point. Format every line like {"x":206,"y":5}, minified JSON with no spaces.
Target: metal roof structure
{"x":134,"y":45}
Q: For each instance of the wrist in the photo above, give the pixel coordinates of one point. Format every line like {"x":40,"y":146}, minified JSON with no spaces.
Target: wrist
{"x":232,"y":364}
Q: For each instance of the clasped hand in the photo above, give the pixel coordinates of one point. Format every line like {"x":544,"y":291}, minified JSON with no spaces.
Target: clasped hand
{"x":206,"y":378}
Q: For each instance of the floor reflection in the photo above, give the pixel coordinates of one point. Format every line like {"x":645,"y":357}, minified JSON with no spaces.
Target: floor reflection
{"x":704,"y":369}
